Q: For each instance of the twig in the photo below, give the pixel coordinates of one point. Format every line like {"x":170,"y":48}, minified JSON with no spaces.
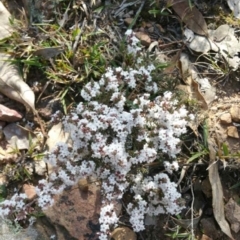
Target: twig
{"x":74,"y":48}
{"x":192,"y":204}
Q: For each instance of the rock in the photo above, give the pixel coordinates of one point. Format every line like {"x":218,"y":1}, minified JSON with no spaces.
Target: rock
{"x":48,"y":107}
{"x":123,"y":233}
{"x":40,"y":167}
{"x":75,"y":213}
{"x":205,"y":237}
{"x":18,"y":137}
{"x":232,"y":213}
{"x":128,"y":21}
{"x":210,"y":228}
{"x":9,"y":115}
{"x":232,"y":132}
{"x":235,"y":113}
{"x":144,"y":38}
{"x":83,"y":184}
{"x":30,"y":191}
{"x":6,"y":156}
{"x":226,"y":118}
{"x":206,"y":188}
{"x":150,"y":220}
{"x":10,"y":231}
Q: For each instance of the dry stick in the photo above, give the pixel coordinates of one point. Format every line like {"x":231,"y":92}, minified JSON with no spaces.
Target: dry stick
{"x":74,"y":48}
{"x":169,"y":44}
{"x":42,"y":129}
{"x":193,"y":198}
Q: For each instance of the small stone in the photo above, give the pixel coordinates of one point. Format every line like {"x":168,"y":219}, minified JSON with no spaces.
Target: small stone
{"x":232,"y":213}
{"x":150,"y":220}
{"x":128,"y":21}
{"x":235,"y":113}
{"x":30,"y":191}
{"x":232,"y":132}
{"x":123,"y":233}
{"x":205,"y":237}
{"x":83,"y":184}
{"x":9,"y":115}
{"x":144,"y":38}
{"x":226,"y":118}
{"x":214,"y":108}
{"x":41,"y":168}
{"x":18,"y":137}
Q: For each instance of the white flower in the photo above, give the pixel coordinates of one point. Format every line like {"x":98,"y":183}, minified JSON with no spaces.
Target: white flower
{"x":129,"y":32}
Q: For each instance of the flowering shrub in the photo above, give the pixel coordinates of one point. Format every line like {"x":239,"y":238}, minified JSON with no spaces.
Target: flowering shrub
{"x":111,"y":140}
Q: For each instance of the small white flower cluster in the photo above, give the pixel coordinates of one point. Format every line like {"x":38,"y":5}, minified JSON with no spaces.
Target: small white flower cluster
{"x":132,"y":42}
{"x":16,"y":206}
{"x":111,"y":141}
{"x":65,"y":172}
{"x":161,"y":195}
{"x":137,"y":213}
{"x":107,"y":218}
{"x":170,"y":167}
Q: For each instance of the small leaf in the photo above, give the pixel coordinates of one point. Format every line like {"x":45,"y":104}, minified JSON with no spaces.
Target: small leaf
{"x":196,"y":155}
{"x":191,"y":16}
{"x":48,"y":52}
{"x":225,"y":149}
{"x":236,"y":185}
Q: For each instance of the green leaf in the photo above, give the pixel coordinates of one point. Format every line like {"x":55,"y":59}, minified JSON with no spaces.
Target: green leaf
{"x":235,"y":186}
{"x":197,"y":155}
{"x":225,"y":149}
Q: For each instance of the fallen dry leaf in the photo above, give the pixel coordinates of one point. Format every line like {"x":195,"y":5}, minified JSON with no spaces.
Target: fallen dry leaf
{"x":6,"y":28}
{"x":190,"y":77}
{"x":217,"y":191}
{"x":222,"y":41}
{"x":12,"y":84}
{"x":190,"y":15}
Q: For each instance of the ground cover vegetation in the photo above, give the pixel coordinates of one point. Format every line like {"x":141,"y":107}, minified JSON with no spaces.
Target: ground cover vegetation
{"x":152,"y":145}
